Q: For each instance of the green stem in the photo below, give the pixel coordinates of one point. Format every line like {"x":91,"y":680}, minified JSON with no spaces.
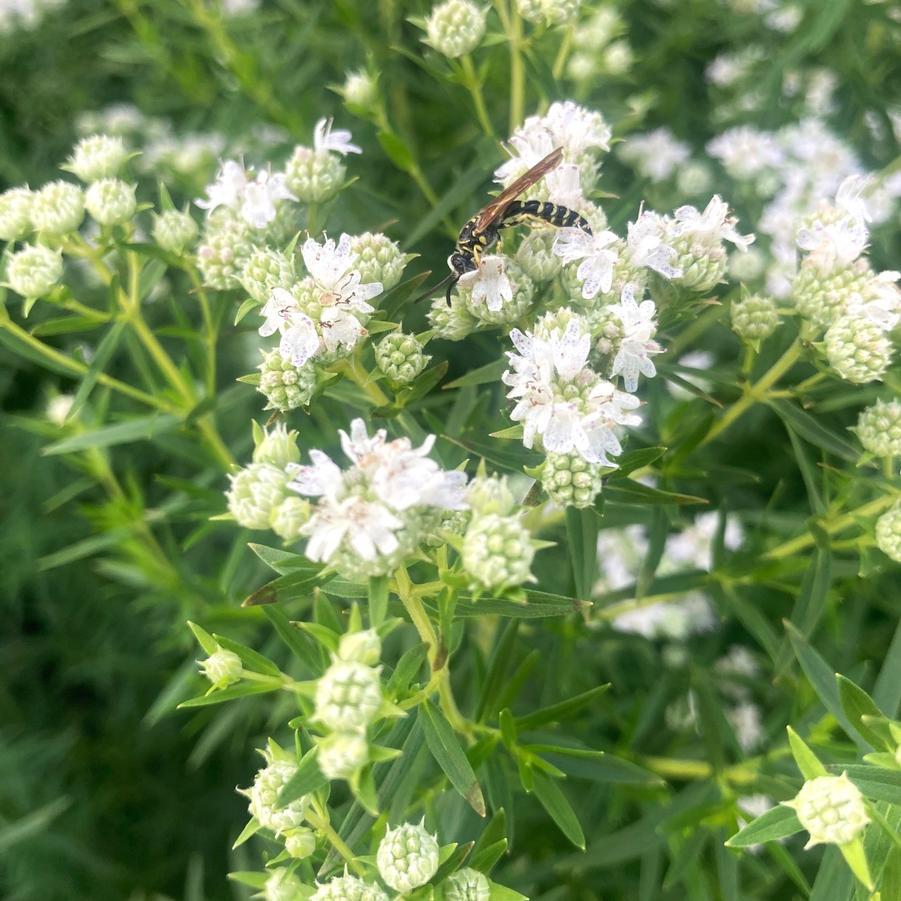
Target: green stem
{"x":517,"y":71}
{"x":352,"y":368}
{"x":474,"y":86}
{"x":320,"y":822}
{"x":757,"y":392}
{"x":563,"y":53}
{"x":210,"y":330}
{"x":788,"y":548}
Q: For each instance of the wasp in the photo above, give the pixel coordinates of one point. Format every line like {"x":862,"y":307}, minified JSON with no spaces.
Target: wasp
{"x":483,"y":230}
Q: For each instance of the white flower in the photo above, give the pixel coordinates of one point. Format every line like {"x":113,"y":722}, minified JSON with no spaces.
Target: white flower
{"x":564,"y":186}
{"x":595,"y":270}
{"x":714,"y":224}
{"x":746,"y":151}
{"x":337,"y":141}
{"x":746,"y":723}
{"x":693,"y":546}
{"x":489,"y":283}
{"x":637,"y":345}
{"x":227,"y":189}
{"x":576,"y":128}
{"x":531,"y":143}
{"x":656,"y":155}
{"x":255,"y":199}
{"x":882,"y":304}
{"x":369,"y":528}
{"x":646,"y":245}
{"x":331,"y":266}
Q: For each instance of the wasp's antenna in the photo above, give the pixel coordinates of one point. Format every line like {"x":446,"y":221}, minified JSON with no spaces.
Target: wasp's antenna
{"x":434,"y":288}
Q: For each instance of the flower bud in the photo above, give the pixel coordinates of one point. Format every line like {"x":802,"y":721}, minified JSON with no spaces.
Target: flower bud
{"x":536,"y":257}
{"x":702,"y":262}
{"x":746,"y":266}
{"x":34,"y":270}
{"x":282,"y":885}
{"x":300,"y":843}
{"x":831,"y":809}
{"x":278,"y":447}
{"x":821,"y":293}
{"x":263,"y":794}
{"x":15,"y":214}
{"x":284,"y":385}
{"x":455,"y":27}
{"x":879,"y":429}
{"x":364,"y":647}
{"x":348,"y":888}
{"x":754,"y":318}
{"x":222,"y":668}
{"x":174,"y":231}
{"x":467,"y":885}
{"x":400,"y":357}
{"x":111,"y":201}
{"x":264,"y":270}
{"x":858,"y":349}
{"x":314,"y":176}
{"x":289,"y":517}
{"x":255,"y":492}
{"x":454,"y":322}
{"x":407,"y":857}
{"x":549,"y":12}
{"x":341,"y":754}
{"x":490,"y":494}
{"x":226,"y":244}
{"x":97,"y":156}
{"x":379,"y":259}
{"x":498,"y":551}
{"x":888,"y":533}
{"x":571,"y":481}
{"x":348,"y":696}
{"x":694,"y":179}
{"x":360,"y":91}
{"x":58,"y":408}
{"x":58,"y":208}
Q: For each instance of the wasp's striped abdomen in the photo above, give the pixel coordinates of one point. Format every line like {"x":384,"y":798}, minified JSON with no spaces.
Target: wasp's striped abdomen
{"x":553,"y":213}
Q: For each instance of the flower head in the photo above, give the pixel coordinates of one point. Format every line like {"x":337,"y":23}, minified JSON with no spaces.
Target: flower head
{"x":333,"y":140}
{"x":597,"y":259}
{"x":255,"y":198}
{"x":637,"y":345}
{"x":831,"y":809}
{"x":407,"y":857}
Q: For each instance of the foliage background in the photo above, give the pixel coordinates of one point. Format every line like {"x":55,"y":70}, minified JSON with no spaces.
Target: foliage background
{"x":105,"y":793}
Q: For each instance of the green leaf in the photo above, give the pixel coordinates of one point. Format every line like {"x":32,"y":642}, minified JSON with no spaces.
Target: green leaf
{"x":539,"y":604}
{"x":811,"y":603}
{"x":636,"y":459}
{"x":502,"y":893}
{"x":582,"y":533}
{"x":141,"y":428}
{"x":483,"y":375}
{"x":597,"y":766}
{"x":105,"y":350}
{"x":292,"y":586}
{"x":251,"y":659}
{"x":563,"y":710}
{"x":874,"y":782}
{"x":778,"y":822}
{"x":887,"y":690}
{"x":864,"y":715}
{"x":396,"y":150}
{"x":32,"y":824}
{"x":306,"y":780}
{"x":378,"y":600}
{"x":491,"y":844}
{"x":812,"y":430}
{"x":251,"y":829}
{"x":556,"y":804}
{"x":448,"y":754}
{"x":293,"y":638}
{"x":204,"y":639}
{"x":807,"y":761}
{"x":497,"y":668}
{"x":627,"y":491}
{"x":282,"y":561}
{"x":856,"y":859}
{"x":232,"y":693}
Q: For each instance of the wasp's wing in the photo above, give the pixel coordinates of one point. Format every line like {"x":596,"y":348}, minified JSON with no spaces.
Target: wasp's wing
{"x":494,"y":209}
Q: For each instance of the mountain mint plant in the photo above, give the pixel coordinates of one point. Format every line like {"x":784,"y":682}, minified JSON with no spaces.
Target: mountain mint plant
{"x":529,"y":590}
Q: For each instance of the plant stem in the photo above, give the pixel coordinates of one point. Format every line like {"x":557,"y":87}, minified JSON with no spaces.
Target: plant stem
{"x":474,"y":86}
{"x":757,"y":392}
{"x":517,"y":70}
{"x":788,"y":548}
{"x":320,"y":821}
{"x":354,"y":371}
{"x":563,"y":53}
{"x":210,"y":330}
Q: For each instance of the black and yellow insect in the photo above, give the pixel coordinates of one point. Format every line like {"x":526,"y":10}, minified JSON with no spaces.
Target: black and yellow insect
{"x":483,"y":230}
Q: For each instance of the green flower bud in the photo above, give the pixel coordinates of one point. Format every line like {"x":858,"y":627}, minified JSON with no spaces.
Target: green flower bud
{"x":498,"y":551}
{"x":15,"y":214}
{"x":360,"y":91}
{"x":282,"y":885}
{"x":821,"y":295}
{"x":284,"y":385}
{"x":348,"y":696}
{"x":97,"y":156}
{"x":858,"y":349}
{"x":400,"y":357}
{"x":694,"y":179}
{"x":754,"y":318}
{"x":379,"y":259}
{"x":314,"y":176}
{"x":454,"y":322}
{"x":549,"y":12}
{"x":536,"y":258}
{"x":255,"y":492}
{"x":488,"y":495}
{"x":348,"y":888}
{"x":746,"y":266}
{"x":300,"y":843}
{"x":34,"y":270}
{"x":278,"y":447}
{"x":111,"y":201}
{"x":264,"y":270}
{"x":407,"y":857}
{"x":831,"y":809}
{"x":467,"y":885}
{"x":455,"y":27}
{"x":226,"y":244}
{"x":174,"y":231}
{"x":364,"y":647}
{"x":703,"y":263}
{"x":571,"y":481}
{"x":879,"y":429}
{"x":341,"y":754}
{"x":222,"y":668}
{"x":263,"y":794}
{"x":58,"y":208}
{"x":888,"y":533}
{"x":289,"y":517}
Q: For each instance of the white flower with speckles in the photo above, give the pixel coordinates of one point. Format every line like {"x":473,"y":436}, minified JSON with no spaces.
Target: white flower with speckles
{"x":634,"y":353}
{"x":595,"y":270}
{"x":489,"y":283}
{"x":713,"y":225}
{"x":255,"y":198}
{"x":647,"y":247}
